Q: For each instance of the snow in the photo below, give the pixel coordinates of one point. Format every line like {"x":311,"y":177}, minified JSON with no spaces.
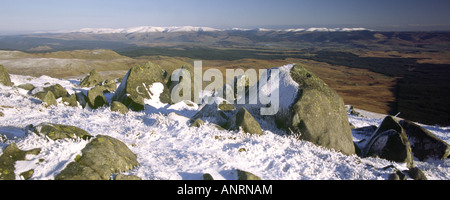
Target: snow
{"x":156,"y":29}
{"x":168,"y":148}
{"x":146,"y":29}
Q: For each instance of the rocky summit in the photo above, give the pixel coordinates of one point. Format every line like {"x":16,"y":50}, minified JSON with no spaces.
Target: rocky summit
{"x":86,"y":135}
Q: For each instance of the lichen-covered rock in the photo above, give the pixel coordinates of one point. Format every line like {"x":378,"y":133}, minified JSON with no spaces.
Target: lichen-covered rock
{"x":121,"y":177}
{"x":217,"y":111}
{"x":101,"y":157}
{"x":70,"y":100}
{"x":119,"y":107}
{"x":197,"y":123}
{"x":58,"y":131}
{"x":57,"y":90}
{"x":95,"y":97}
{"x":135,"y":86}
{"x":76,"y":171}
{"x":318,"y":114}
{"x":244,"y":120}
{"x":8,"y":159}
{"x":27,"y":86}
{"x":47,"y":98}
{"x":4,"y":77}
{"x":109,"y":86}
{"x":243,"y":175}
{"x":92,"y":79}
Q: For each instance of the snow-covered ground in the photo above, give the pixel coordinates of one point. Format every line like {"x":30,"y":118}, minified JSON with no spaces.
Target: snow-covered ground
{"x":167,"y":148}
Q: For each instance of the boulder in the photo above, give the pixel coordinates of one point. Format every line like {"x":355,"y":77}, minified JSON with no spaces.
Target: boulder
{"x":244,"y":120}
{"x":119,"y":107}
{"x":390,"y":142}
{"x":76,"y":171}
{"x":81,"y":98}
{"x":175,"y":86}
{"x":207,"y":177}
{"x":95,"y":97}
{"x":424,"y":144}
{"x":8,"y":159}
{"x":59,"y":131}
{"x":92,"y":79}
{"x":197,"y":123}
{"x":101,"y":157}
{"x":47,"y":98}
{"x":121,"y":177}
{"x":109,"y":86}
{"x":4,"y":77}
{"x":416,"y":174}
{"x":27,"y":86}
{"x":57,"y":90}
{"x":135,"y":86}
{"x":216,"y":111}
{"x":70,"y":100}
{"x":243,"y":175}
{"x":318,"y":113}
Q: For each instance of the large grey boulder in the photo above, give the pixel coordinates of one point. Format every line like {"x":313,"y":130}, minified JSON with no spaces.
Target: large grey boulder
{"x":424,"y":144}
{"x":4,"y":77}
{"x":101,"y":157}
{"x":317,"y":113}
{"x":135,"y":86}
{"x":390,"y":142}
{"x":59,"y":131}
{"x":243,"y":119}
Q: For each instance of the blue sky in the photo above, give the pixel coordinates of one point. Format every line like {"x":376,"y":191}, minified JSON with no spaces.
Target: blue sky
{"x":43,"y":15}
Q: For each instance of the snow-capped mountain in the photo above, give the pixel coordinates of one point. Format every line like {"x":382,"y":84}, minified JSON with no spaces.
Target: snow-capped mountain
{"x":156,"y":29}
{"x":146,"y":29}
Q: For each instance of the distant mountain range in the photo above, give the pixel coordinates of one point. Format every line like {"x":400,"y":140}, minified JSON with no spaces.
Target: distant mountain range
{"x":156,"y":29}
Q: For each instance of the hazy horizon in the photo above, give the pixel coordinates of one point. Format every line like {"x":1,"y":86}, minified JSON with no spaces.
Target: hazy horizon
{"x":22,"y":16}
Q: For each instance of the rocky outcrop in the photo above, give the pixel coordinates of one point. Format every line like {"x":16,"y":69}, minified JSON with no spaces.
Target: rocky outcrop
{"x":135,"y":86}
{"x":101,"y":157}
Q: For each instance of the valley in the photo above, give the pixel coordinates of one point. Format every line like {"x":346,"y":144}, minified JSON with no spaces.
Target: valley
{"x":403,"y":73}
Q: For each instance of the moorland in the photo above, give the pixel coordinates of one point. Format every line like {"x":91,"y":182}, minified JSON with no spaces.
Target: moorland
{"x":404,"y":73}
